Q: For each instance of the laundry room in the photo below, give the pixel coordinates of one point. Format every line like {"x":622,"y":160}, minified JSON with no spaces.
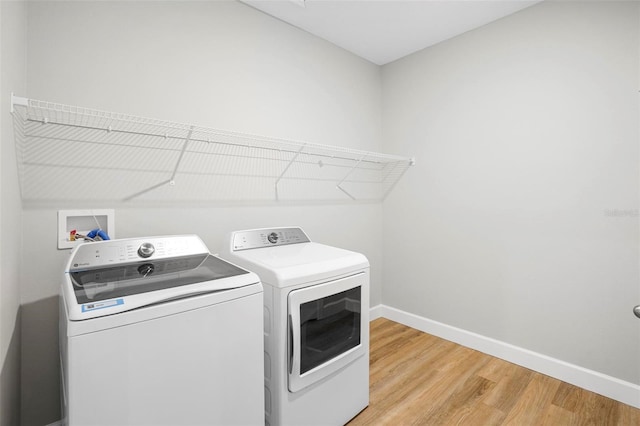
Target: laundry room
{"x":513,"y":230}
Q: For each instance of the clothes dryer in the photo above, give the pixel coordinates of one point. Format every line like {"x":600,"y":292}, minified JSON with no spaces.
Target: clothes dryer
{"x":157,"y":331}
{"x":316,"y":319}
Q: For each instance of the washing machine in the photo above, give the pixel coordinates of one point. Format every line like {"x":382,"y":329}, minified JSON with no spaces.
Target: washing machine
{"x":316,"y":325}
{"x":156,"y":331}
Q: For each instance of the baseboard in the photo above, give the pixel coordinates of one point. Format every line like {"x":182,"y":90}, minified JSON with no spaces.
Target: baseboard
{"x":611,"y":387}
{"x":375,"y":312}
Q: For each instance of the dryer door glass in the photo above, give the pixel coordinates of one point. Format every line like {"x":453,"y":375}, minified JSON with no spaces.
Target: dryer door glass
{"x":325,"y":329}
{"x":329,"y":327}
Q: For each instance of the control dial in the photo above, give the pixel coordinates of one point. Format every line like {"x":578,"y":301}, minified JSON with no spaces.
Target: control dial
{"x":146,"y":250}
{"x":272,"y":237}
{"x":146,"y":269}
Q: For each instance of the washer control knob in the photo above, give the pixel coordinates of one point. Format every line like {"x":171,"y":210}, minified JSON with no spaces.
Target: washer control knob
{"x":272,"y":237}
{"x":146,"y":250}
{"x":146,"y":269}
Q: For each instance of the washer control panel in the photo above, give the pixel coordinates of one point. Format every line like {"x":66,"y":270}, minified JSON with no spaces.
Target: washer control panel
{"x":267,"y":237}
{"x":110,"y":252}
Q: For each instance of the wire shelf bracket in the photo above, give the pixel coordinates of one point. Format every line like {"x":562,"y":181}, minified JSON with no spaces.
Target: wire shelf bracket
{"x":275,"y":185}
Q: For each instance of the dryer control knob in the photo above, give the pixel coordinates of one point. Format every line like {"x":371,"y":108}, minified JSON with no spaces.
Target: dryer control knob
{"x":146,"y":250}
{"x":272,"y":237}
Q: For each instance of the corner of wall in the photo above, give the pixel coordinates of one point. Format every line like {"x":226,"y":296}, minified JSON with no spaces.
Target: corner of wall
{"x":10,"y":379}
{"x":13,"y":26}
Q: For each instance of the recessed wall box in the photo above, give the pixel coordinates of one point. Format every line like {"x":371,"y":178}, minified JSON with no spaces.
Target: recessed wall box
{"x":82,"y":222}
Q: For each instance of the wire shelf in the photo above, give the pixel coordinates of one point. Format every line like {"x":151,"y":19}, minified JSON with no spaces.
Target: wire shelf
{"x":74,"y":154}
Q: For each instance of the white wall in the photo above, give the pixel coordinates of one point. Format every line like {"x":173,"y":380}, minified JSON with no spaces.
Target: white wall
{"x":520,"y":220}
{"x":215,"y":64}
{"x":12,"y":78}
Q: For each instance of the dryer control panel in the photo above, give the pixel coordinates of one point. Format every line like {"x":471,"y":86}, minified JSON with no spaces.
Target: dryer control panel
{"x":267,"y":237}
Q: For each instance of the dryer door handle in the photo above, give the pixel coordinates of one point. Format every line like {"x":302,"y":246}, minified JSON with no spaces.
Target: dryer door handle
{"x":295,"y":351}
{"x":290,"y":345}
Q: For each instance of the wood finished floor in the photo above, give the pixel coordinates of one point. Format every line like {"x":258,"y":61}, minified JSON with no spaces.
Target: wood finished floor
{"x":420,"y":379}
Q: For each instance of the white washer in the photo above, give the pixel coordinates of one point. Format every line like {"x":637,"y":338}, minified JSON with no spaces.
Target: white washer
{"x":156,"y":331}
{"x":316,"y":319}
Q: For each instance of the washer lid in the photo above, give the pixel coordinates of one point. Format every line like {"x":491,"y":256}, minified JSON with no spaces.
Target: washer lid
{"x":98,"y":292}
{"x":106,"y":278}
{"x":143,"y":277}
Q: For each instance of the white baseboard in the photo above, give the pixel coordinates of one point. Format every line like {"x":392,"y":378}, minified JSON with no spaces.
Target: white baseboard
{"x":611,"y":387}
{"x":375,"y":312}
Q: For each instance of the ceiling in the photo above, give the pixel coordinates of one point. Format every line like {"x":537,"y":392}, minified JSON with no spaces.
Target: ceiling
{"x":382,"y":31}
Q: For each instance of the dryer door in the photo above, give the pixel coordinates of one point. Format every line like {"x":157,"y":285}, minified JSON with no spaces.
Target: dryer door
{"x":325,"y":329}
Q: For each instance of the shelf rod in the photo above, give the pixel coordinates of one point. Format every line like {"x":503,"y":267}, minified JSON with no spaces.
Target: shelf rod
{"x":243,"y":145}
{"x":155,"y":171}
{"x":199,"y":152}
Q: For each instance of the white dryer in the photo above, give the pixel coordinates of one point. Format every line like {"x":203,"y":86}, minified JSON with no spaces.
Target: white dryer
{"x":156,"y":331}
{"x":316,"y":319}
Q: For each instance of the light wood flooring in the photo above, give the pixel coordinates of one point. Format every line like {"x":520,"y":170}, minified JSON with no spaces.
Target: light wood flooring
{"x":420,"y":379}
